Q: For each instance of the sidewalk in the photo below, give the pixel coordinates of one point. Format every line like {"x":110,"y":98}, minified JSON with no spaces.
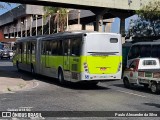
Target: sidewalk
{"x":10,"y":85}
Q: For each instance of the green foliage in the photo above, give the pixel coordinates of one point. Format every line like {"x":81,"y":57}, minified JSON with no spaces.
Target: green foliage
{"x":148,"y":23}
{"x":58,"y":16}
{"x":151,"y":11}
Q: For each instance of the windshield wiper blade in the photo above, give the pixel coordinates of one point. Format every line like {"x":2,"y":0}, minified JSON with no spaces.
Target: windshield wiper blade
{"x":103,"y":53}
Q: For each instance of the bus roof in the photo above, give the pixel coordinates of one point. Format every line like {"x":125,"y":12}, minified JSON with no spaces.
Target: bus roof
{"x":61,"y":34}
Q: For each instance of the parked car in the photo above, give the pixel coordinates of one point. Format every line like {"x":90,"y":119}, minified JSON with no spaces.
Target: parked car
{"x":5,"y":54}
{"x":143,"y":71}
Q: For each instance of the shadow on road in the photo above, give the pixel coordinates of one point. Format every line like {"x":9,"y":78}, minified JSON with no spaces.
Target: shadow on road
{"x":9,"y":71}
{"x":153,"y":104}
{"x":70,"y":85}
{"x":135,"y":87}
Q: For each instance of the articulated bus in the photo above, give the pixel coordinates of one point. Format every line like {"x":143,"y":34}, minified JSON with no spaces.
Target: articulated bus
{"x":143,"y":49}
{"x":72,"y":56}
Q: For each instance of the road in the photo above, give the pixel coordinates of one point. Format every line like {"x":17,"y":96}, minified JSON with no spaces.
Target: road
{"x":49,"y":95}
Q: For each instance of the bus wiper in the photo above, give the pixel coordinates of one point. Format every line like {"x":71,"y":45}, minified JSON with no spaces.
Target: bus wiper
{"x":103,"y":53}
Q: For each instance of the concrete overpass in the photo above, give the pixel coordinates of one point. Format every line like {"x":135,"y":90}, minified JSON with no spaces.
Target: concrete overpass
{"x":112,"y":4}
{"x":101,"y":8}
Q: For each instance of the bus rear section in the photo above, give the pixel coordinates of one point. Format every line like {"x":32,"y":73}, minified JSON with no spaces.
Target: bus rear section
{"x":102,"y":57}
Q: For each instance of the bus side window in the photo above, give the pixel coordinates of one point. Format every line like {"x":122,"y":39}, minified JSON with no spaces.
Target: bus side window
{"x":48,"y":47}
{"x":43,"y":51}
{"x":66,"y":47}
{"x":33,"y":48}
{"x":54,"y":47}
{"x":76,"y":47}
{"x":59,"y":48}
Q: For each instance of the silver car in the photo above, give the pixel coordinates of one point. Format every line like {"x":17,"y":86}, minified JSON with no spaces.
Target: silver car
{"x":4,"y":54}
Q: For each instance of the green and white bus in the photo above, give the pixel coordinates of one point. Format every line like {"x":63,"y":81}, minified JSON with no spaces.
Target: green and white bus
{"x":72,"y":56}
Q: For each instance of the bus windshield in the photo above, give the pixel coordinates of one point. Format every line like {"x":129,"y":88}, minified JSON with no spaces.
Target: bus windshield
{"x":102,"y":44}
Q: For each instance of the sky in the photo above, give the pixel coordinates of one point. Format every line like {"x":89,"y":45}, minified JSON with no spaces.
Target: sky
{"x":7,"y":7}
{"x":115,"y":25}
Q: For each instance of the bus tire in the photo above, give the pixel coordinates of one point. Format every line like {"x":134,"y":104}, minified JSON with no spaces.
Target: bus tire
{"x":32,"y":70}
{"x":154,"y":87}
{"x":17,"y":65}
{"x":61,"y":77}
{"x":126,"y":83}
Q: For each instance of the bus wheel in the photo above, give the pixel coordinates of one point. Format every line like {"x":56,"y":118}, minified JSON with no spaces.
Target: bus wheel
{"x":17,"y":65}
{"x":126,"y":83}
{"x":32,"y":70}
{"x":154,"y":87}
{"x":61,"y":77}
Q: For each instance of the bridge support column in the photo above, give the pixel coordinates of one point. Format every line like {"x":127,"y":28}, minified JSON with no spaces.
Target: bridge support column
{"x":122,"y":27}
{"x":98,"y":20}
{"x":83,"y":26}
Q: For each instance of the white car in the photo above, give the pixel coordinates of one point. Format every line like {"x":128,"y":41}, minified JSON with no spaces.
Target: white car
{"x":143,"y":71}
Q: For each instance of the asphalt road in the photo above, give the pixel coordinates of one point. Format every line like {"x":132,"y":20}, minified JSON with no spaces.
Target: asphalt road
{"x":49,"y":95}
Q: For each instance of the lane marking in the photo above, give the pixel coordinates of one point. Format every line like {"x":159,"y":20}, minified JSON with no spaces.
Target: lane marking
{"x":131,"y":93}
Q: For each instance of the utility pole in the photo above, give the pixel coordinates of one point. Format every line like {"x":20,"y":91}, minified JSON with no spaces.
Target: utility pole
{"x":14,"y":32}
{"x":57,"y":21}
{"x":42,"y":24}
{"x":49,"y":24}
{"x":31,"y":25}
{"x":79,"y":11}
{"x":36,"y":24}
{"x":67,"y":19}
{"x":21,"y":27}
{"x":26,"y":28}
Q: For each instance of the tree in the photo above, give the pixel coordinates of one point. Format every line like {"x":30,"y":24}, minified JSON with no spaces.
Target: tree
{"x":151,"y":14}
{"x":58,"y":17}
{"x":148,"y":22}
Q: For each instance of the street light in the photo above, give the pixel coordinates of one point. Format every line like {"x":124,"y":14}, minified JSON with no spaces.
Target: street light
{"x":49,"y":23}
{"x":57,"y":21}
{"x":67,"y":18}
{"x":79,"y":11}
{"x":21,"y":27}
{"x":36,"y":24}
{"x":31,"y":25}
{"x":26,"y":28}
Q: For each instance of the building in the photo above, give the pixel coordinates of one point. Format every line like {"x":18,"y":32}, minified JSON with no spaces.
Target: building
{"x":28,"y":20}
